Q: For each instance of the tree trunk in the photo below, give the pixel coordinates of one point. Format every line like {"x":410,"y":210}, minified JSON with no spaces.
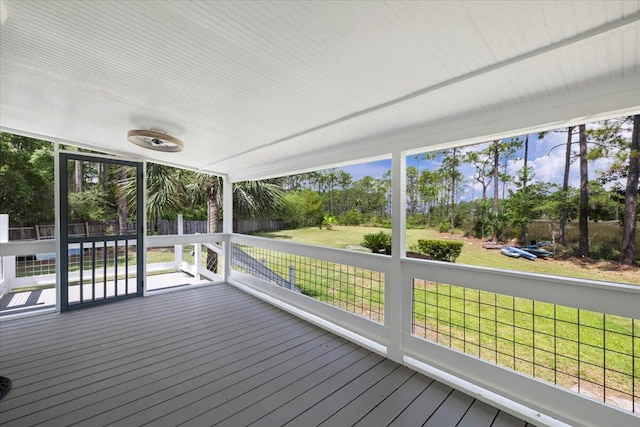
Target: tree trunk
{"x":496,"y":185}
{"x":213,"y":209}
{"x":525,"y":178}
{"x":122,"y":200}
{"x":583,"y":224}
{"x":453,"y":200}
{"x":628,"y":247}
{"x":565,"y":185}
{"x":78,"y":178}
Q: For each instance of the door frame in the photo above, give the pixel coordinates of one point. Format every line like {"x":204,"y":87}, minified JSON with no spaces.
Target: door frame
{"x":65,"y":239}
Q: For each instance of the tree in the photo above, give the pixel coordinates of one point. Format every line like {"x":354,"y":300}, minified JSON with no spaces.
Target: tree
{"x":610,"y":141}
{"x":428,"y":186}
{"x":628,"y":246}
{"x":251,"y":198}
{"x":26,"y":179}
{"x":481,"y":161}
{"x":165,"y":190}
{"x":527,"y":202}
{"x":449,"y":168}
{"x":496,"y":171}
{"x":583,"y":210}
{"x":499,"y":149}
{"x":412,"y":189}
{"x":565,"y":185}
{"x":525,"y":182}
{"x":122,"y":200}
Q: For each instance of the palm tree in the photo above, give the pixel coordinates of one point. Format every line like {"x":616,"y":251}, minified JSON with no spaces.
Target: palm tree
{"x":165,"y":191}
{"x":250,"y":198}
{"x":169,"y":189}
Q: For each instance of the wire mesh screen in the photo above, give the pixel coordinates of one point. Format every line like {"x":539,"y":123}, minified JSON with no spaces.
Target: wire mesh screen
{"x":357,"y":290}
{"x":35,"y":265}
{"x":591,"y":353}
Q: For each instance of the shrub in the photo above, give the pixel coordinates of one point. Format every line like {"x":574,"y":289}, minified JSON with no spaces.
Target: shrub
{"x":418,"y":220}
{"x":441,"y":250}
{"x":328,"y":222}
{"x":351,"y":217}
{"x":377,"y":242}
{"x":443,"y":227}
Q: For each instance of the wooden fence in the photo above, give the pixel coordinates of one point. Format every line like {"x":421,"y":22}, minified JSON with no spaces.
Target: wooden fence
{"x":164,"y":227}
{"x":242,"y":226}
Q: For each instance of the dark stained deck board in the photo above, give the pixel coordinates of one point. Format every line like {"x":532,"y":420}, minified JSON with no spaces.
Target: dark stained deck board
{"x":479,"y":415}
{"x":507,"y":420}
{"x":101,"y":359}
{"x":211,"y":355}
{"x":337,"y":400}
{"x":301,"y":403}
{"x":423,"y":406}
{"x":396,"y":402}
{"x":376,"y":394}
{"x":175,"y":397}
{"x":137,"y":357}
{"x":249,"y":407}
{"x":451,"y":411}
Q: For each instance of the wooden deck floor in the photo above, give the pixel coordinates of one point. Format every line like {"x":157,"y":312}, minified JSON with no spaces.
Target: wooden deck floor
{"x":212,"y":356}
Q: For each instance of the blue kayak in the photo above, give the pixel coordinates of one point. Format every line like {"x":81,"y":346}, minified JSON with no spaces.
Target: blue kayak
{"x":521,"y":252}
{"x":540,"y":253}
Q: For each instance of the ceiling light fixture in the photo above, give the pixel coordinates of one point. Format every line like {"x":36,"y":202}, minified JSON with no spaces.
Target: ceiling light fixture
{"x":155,"y":140}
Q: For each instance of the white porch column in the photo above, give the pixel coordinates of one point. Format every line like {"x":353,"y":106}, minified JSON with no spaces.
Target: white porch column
{"x":397,"y":316}
{"x":58,"y":223}
{"x":144,"y":228}
{"x":8,"y":264}
{"x":177,"y":249}
{"x":227,"y":222}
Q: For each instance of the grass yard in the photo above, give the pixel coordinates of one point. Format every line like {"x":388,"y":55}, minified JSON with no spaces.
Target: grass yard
{"x":576,"y":349}
{"x":588,"y":352}
{"x":349,"y":237}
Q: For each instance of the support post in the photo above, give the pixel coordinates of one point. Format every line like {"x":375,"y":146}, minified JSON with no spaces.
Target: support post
{"x":227,"y":223}
{"x":143,"y":230}
{"x":396,"y":292}
{"x":8,"y":263}
{"x":197,"y":259}
{"x":177,"y":249}
{"x":58,"y":224}
{"x":292,"y":277}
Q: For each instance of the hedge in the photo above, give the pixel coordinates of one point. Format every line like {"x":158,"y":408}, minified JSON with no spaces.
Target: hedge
{"x":441,"y":250}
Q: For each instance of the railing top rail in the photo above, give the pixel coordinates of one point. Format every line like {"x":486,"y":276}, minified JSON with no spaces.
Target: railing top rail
{"x":27,"y":247}
{"x":101,"y":238}
{"x":371,"y":261}
{"x":604,"y":297}
{"x":183,"y":239}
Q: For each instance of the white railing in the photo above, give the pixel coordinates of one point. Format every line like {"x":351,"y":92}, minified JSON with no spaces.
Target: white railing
{"x":197,"y":245}
{"x":346,"y":306}
{"x":391,"y":328}
{"x":35,"y":273}
{"x":483,"y":378}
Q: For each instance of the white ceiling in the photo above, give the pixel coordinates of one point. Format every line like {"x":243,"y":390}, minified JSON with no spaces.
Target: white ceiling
{"x":260,"y":89}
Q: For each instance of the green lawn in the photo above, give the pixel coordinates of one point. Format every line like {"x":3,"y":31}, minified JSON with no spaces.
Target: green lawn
{"x":555,"y":343}
{"x":563,"y":345}
{"x":473,"y":253}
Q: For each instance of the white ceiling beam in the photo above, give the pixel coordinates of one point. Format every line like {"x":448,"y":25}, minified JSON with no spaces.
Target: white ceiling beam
{"x":571,"y":42}
{"x":600,"y":102}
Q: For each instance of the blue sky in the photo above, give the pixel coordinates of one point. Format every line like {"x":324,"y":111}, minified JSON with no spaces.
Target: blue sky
{"x":546,"y":161}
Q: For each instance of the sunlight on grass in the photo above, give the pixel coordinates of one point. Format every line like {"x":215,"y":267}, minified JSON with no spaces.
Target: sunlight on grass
{"x":582,"y":350}
{"x":576,"y":349}
{"x":349,"y":237}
